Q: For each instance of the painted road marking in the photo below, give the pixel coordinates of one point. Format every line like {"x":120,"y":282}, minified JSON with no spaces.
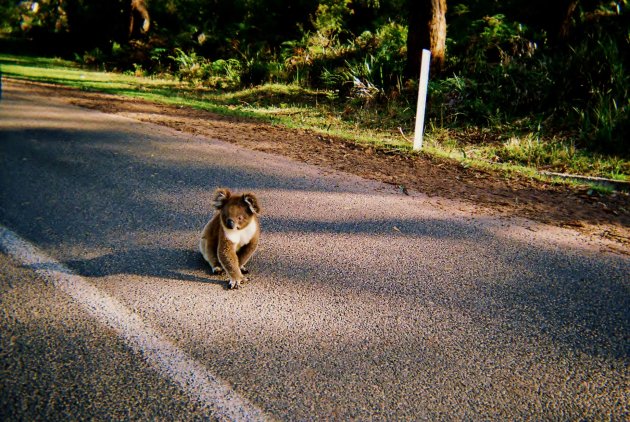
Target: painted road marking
{"x":158,"y":351}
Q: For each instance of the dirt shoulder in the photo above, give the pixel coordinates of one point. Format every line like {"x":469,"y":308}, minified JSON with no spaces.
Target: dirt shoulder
{"x":606,"y":216}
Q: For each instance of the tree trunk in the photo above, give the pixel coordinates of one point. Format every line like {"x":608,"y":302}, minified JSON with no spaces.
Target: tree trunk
{"x":139,"y":8}
{"x":426,"y":30}
{"x":565,"y":25}
{"x":437,"y":33}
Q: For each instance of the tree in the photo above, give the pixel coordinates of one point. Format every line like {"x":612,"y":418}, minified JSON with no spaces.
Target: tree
{"x":426,"y":29}
{"x":139,"y":8}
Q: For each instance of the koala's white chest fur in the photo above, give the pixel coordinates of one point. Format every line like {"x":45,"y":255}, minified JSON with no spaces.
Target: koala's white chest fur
{"x":241,"y":237}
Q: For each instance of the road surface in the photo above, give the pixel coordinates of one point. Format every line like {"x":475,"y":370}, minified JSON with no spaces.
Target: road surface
{"x":364,"y":303}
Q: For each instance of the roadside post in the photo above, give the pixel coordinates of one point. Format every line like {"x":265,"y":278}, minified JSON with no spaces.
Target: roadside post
{"x":423,"y":85}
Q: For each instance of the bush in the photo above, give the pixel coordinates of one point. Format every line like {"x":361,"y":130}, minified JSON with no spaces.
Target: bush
{"x":223,"y":74}
{"x":497,"y":41}
{"x":255,"y":73}
{"x":597,"y":95}
{"x":502,"y":72}
{"x":190,"y":66}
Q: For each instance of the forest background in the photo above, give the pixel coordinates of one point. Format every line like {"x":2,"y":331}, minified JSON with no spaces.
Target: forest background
{"x":531,"y":82}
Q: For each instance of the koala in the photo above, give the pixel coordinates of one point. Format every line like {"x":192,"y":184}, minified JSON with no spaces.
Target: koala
{"x":230,"y":238}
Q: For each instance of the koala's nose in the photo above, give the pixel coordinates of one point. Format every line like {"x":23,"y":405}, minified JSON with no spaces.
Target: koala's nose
{"x":230,"y":223}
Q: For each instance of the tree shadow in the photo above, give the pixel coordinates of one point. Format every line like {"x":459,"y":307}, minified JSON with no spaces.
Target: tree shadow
{"x":575,"y":300}
{"x":167,"y":263}
{"x":87,"y":195}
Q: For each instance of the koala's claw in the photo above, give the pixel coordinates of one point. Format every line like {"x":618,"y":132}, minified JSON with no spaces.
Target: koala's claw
{"x":236,"y":284}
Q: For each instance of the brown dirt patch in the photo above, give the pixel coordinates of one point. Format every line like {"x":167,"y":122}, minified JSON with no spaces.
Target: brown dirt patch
{"x":606,"y":216}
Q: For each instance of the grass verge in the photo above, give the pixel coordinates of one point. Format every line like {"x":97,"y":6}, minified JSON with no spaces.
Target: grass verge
{"x":382,"y":125}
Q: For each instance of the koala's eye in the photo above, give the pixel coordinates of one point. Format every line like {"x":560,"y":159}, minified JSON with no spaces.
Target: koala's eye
{"x":240,"y":218}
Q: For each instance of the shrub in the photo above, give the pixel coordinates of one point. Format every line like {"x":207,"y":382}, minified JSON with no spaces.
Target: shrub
{"x":597,"y":94}
{"x":223,"y":74}
{"x":190,"y":66}
{"x":255,"y":73}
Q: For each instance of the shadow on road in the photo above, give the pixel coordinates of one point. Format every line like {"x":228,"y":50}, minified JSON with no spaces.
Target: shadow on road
{"x":93,"y":187}
{"x":170,"y":264}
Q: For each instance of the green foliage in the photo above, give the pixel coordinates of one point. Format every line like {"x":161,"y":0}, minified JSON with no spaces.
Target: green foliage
{"x":256,"y":72}
{"x":33,"y":16}
{"x":600,"y":91}
{"x":364,"y":67}
{"x":556,"y":154}
{"x":314,"y":110}
{"x":387,"y":51}
{"x":9,"y":16}
{"x":507,"y":65}
{"x":90,"y":58}
{"x":496,"y":41}
{"x":531,"y":151}
{"x":503,"y":72}
{"x":224,"y":74}
{"x":330,"y":16}
{"x":496,"y":94}
{"x":190,"y":66}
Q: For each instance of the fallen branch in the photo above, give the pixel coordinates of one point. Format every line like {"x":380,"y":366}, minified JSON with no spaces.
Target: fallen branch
{"x":403,"y":135}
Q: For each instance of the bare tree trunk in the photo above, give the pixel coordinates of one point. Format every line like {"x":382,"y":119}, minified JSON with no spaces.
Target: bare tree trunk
{"x":426,"y":29}
{"x":437,"y":33}
{"x":139,"y":8}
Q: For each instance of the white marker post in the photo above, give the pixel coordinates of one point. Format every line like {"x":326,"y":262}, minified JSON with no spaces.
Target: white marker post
{"x":423,"y":85}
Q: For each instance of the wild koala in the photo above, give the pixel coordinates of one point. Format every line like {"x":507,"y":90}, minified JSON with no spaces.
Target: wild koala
{"x":231,"y":236}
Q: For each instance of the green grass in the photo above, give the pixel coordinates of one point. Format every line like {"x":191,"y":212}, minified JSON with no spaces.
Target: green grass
{"x":509,"y":149}
{"x":67,"y":73}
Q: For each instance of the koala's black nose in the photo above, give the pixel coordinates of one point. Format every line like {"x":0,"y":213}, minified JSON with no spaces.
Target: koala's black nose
{"x":230,"y":223}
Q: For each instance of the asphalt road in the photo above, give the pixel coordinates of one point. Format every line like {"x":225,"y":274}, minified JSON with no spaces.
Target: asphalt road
{"x":364,"y":303}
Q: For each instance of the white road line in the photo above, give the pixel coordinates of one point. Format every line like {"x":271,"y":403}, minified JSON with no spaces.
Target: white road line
{"x":158,"y":351}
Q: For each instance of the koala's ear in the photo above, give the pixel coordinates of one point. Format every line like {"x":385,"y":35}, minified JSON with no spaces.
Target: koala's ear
{"x":221,"y":195}
{"x":252,"y":203}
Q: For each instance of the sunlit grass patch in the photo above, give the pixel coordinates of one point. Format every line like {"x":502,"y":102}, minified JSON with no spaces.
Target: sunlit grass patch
{"x":386,"y":124}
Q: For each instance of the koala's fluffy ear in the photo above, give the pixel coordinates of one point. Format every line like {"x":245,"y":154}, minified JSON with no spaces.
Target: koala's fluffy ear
{"x":221,"y":195}
{"x":252,"y":203}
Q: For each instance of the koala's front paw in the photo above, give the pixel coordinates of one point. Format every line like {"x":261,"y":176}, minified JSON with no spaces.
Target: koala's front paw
{"x":234,"y":284}
{"x":217,"y":270}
